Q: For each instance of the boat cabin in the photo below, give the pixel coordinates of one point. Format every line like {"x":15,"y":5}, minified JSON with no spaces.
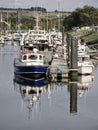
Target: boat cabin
{"x":31,"y":58}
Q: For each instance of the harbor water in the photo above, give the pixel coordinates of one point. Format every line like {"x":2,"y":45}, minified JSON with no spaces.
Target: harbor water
{"x":51,"y":106}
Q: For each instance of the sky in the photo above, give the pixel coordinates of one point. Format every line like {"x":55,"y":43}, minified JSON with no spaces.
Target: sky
{"x":50,"y":5}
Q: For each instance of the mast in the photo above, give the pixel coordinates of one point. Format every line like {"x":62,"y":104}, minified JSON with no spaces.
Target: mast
{"x":47,"y":17}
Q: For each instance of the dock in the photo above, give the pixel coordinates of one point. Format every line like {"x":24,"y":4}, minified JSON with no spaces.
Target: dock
{"x":59,"y":70}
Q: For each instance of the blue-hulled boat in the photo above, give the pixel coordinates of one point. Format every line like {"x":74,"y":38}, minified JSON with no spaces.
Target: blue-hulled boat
{"x":32,"y":63}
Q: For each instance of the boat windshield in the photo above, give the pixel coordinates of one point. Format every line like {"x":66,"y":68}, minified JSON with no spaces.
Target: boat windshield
{"x":32,"y":57}
{"x":24,"y":57}
{"x":40,"y":57}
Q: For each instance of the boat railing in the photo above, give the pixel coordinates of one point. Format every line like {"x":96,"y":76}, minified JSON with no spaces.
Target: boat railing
{"x":32,"y":62}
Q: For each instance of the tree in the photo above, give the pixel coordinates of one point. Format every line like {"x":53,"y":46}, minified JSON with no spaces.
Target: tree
{"x":85,"y":16}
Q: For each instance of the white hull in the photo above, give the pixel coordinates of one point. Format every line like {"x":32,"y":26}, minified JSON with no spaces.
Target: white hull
{"x":84,"y":70}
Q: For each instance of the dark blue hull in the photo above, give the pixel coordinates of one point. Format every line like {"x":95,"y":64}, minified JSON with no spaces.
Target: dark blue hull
{"x":31,"y":82}
{"x":30,"y":69}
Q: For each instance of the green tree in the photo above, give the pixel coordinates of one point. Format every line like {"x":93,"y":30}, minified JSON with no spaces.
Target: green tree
{"x":85,"y":16}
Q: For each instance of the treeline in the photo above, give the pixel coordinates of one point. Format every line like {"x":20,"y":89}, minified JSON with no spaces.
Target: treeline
{"x":30,"y":9}
{"x":86,"y":16}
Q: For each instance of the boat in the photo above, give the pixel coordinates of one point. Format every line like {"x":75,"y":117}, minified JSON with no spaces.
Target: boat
{"x":2,"y":41}
{"x":31,"y":63}
{"x":85,"y":65}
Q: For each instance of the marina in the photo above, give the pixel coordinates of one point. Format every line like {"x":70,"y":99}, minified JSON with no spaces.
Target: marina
{"x":48,"y":69}
{"x":44,"y":104}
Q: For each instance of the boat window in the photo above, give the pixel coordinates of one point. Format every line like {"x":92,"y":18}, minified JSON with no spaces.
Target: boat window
{"x":83,"y":59}
{"x":40,"y":57}
{"x":80,"y":59}
{"x":86,"y":58}
{"x":32,"y":57}
{"x":24,"y":57}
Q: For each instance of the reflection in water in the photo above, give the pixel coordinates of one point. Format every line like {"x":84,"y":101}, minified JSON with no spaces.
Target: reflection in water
{"x":30,"y":81}
{"x":31,"y":92}
{"x":84,"y":83}
{"x":73,"y":97}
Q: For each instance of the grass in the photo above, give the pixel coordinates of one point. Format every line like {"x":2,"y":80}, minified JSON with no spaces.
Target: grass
{"x":91,"y":37}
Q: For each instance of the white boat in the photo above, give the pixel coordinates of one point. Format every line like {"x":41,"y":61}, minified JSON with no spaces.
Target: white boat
{"x":56,"y":37}
{"x":36,"y":38}
{"x":1,"y":41}
{"x":8,"y":37}
{"x":85,"y":65}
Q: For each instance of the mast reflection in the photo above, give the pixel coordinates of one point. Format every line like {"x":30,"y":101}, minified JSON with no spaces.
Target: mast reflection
{"x":78,"y":88}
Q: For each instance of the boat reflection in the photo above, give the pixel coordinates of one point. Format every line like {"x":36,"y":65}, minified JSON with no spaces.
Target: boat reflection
{"x":31,"y":81}
{"x":78,"y":88}
{"x":84,"y":84}
{"x":31,"y":90}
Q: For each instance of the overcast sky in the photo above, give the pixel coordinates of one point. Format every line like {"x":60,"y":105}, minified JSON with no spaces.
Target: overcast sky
{"x":50,"y":5}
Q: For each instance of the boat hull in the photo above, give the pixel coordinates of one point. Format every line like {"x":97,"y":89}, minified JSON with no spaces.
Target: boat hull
{"x":31,"y":70}
{"x":85,"y":70}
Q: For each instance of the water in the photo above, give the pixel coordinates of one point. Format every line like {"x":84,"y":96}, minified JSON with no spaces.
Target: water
{"x":59,"y":106}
